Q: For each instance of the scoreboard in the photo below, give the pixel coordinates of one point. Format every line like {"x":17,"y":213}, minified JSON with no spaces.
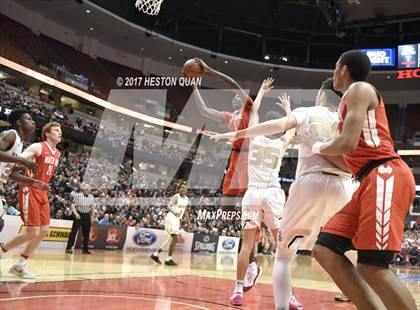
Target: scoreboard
{"x":409,"y":56}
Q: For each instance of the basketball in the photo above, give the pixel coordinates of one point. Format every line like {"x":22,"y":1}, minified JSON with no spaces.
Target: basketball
{"x":192,"y":69}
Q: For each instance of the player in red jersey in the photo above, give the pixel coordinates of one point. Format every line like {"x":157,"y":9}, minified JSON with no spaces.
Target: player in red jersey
{"x":236,"y":178}
{"x":33,"y":201}
{"x":235,"y":181}
{"x":373,"y":221}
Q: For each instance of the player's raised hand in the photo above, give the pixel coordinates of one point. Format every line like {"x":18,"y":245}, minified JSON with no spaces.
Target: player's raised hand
{"x":267,"y":85}
{"x":284,"y":103}
{"x":203,"y":65}
{"x":29,"y":164}
{"x":41,"y":185}
{"x":231,"y":136}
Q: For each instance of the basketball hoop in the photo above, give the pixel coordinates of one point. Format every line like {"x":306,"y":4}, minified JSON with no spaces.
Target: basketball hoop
{"x":149,"y":7}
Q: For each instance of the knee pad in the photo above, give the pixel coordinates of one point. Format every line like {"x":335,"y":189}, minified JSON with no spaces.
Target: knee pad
{"x":375,"y":258}
{"x":335,"y":243}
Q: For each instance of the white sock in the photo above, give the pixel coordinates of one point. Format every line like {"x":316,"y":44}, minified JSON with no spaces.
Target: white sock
{"x":156,"y":253}
{"x":21,"y":261}
{"x":282,"y":283}
{"x":169,"y":258}
{"x":239,"y":287}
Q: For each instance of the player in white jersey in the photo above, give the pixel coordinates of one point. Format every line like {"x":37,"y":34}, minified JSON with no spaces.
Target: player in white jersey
{"x":264,"y":198}
{"x":321,"y":188}
{"x":177,"y":207}
{"x":11,"y":145}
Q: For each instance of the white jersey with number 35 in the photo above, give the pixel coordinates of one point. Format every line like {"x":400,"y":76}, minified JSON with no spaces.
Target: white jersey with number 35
{"x":264,"y":161}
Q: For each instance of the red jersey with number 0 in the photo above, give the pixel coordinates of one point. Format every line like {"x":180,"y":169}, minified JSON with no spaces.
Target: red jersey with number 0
{"x":375,"y":140}
{"x":47,"y":163}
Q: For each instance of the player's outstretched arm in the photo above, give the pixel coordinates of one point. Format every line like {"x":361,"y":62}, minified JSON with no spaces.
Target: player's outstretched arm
{"x":16,"y":176}
{"x":264,"y":129}
{"x":6,"y":141}
{"x":266,"y":86}
{"x":204,"y":109}
{"x":359,"y":97}
{"x":226,"y":79}
{"x":32,"y":151}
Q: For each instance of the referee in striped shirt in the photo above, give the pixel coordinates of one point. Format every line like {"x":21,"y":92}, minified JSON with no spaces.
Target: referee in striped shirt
{"x":83,"y":209}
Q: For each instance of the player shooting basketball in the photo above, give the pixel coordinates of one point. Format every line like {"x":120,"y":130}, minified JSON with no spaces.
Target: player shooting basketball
{"x":236,"y":178}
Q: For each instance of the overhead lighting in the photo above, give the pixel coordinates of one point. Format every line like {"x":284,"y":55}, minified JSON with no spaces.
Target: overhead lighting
{"x":87,"y":11}
{"x":181,"y":49}
{"x":170,"y":57}
{"x":284,"y":59}
{"x":226,"y":61}
{"x":141,"y":49}
{"x":91,"y":28}
{"x":266,"y":57}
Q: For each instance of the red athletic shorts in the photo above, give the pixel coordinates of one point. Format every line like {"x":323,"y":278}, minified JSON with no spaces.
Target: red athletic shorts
{"x":235,"y":182}
{"x":374,"y":218}
{"x":34,"y":206}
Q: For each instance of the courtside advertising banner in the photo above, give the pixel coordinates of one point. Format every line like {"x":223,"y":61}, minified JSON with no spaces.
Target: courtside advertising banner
{"x":205,"y":243}
{"x":145,"y":239}
{"x":104,"y":237}
{"x":58,"y":232}
{"x":228,"y":245}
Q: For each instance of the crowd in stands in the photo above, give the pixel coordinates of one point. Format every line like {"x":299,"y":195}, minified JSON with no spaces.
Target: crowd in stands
{"x":410,"y":249}
{"x":115,"y":135}
{"x":123,"y":211}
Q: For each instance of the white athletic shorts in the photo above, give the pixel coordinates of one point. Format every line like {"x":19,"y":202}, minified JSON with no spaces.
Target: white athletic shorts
{"x":172,"y":224}
{"x":313,"y":199}
{"x":262,"y":205}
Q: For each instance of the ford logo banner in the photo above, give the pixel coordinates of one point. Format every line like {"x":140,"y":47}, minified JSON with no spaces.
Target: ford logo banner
{"x":144,"y":237}
{"x":228,"y":244}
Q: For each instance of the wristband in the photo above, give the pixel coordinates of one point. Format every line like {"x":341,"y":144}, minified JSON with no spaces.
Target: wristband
{"x":317,"y":147}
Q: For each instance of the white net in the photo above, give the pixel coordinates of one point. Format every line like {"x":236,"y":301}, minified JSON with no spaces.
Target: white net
{"x":150,"y":7}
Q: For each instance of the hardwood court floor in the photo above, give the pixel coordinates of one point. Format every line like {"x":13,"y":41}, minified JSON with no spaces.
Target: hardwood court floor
{"x":115,"y":280}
